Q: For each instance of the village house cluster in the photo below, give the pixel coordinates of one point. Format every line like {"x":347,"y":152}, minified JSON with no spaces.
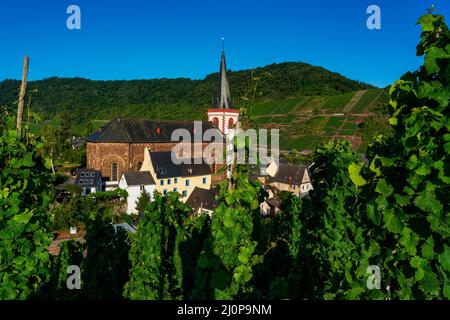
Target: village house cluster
{"x":136,"y":155}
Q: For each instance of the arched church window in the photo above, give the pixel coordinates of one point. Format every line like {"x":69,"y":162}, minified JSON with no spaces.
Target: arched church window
{"x":230,"y":123}
{"x":114,"y":172}
{"x":139,"y":165}
{"x":216,"y":121}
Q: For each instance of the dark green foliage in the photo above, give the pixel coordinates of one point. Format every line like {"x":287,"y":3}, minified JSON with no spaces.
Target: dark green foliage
{"x":338,"y":247}
{"x":25,"y":193}
{"x":394,"y":213}
{"x":105,"y":268}
{"x":225,"y":267}
{"x":102,"y":259}
{"x":143,"y":202}
{"x":71,"y":212}
{"x":197,"y":230}
{"x":157,"y":269}
{"x":87,"y":100}
{"x":71,"y":253}
{"x":280,"y":239}
{"x":410,"y":172}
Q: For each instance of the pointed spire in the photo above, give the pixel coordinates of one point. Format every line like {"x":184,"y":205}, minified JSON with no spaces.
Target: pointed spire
{"x":223,"y":99}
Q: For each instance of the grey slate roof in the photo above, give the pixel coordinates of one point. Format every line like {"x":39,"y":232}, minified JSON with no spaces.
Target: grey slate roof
{"x":223,"y":98}
{"x":203,"y":198}
{"x":141,"y":178}
{"x":288,"y":174}
{"x":88,"y":178}
{"x":165,"y":168}
{"x":127,"y":130}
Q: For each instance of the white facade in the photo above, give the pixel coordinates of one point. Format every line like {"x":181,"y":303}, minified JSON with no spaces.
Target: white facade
{"x":88,"y":190}
{"x":134,"y":192}
{"x":226,"y":120}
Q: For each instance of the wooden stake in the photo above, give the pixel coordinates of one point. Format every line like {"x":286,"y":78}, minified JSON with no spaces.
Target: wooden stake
{"x":23,"y":88}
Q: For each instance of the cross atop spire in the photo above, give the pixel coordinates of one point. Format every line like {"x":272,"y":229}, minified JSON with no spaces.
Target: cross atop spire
{"x":223,"y":98}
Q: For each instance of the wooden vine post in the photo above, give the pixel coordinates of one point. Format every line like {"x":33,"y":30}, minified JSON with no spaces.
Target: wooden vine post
{"x":23,"y":88}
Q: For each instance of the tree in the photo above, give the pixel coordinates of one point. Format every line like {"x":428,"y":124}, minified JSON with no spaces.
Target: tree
{"x":72,"y":212}
{"x":410,"y":174}
{"x":279,"y":275}
{"x":106,"y":266}
{"x":394,"y":213}
{"x":143,"y":201}
{"x":25,"y":194}
{"x":225,"y":266}
{"x":56,"y":142}
{"x":157,"y":268}
{"x":340,"y":245}
{"x":70,"y":253}
{"x":66,"y":124}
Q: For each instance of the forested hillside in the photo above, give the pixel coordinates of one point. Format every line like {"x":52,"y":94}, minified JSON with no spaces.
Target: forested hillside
{"x":173,"y":98}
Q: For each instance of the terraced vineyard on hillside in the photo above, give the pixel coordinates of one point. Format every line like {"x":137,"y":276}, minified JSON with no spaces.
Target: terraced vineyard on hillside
{"x":305,"y":122}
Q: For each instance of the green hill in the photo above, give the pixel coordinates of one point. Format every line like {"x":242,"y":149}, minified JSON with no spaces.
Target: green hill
{"x":306,"y":121}
{"x":296,"y":97}
{"x":174,"y":98}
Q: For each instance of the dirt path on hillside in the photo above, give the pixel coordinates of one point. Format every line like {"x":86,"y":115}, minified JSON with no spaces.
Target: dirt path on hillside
{"x":355,"y":99}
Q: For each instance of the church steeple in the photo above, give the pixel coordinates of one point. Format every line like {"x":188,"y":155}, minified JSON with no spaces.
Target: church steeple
{"x":223,"y":99}
{"x":224,"y":117}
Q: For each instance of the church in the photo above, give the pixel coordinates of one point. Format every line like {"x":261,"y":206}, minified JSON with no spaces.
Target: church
{"x":119,"y":146}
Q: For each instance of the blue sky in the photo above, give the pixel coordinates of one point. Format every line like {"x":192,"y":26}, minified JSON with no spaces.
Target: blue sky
{"x":141,"y":39}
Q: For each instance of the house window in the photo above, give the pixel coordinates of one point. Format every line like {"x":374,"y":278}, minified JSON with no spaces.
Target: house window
{"x":165,"y":192}
{"x":87,"y":191}
{"x":92,"y":174}
{"x":175,"y":180}
{"x":204,"y":180}
{"x":142,"y":188}
{"x":114,"y":171}
{"x":184,"y":194}
{"x":82,"y":174}
{"x":188,"y":183}
{"x":162,"y":182}
{"x":169,"y":182}
{"x":139,"y":166}
{"x":175,"y":189}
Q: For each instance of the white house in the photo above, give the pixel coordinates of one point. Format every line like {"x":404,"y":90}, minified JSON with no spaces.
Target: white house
{"x":287,"y":177}
{"x":134,"y":183}
{"x":203,"y":200}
